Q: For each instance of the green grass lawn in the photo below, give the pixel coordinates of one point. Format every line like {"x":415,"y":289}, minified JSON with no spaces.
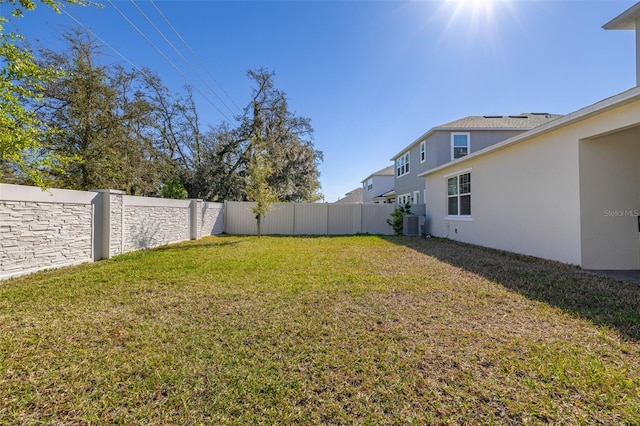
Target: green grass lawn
{"x":364,"y":330}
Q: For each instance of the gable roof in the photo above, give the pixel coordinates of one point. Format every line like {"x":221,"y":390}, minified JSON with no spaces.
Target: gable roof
{"x":523,"y":122}
{"x":353,"y":196}
{"x":387,"y":171}
{"x":626,"y":97}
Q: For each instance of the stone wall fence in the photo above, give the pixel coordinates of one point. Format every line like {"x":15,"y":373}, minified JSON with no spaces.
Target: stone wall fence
{"x":42,"y":229}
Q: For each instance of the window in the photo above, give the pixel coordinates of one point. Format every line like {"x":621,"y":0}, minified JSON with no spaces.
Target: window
{"x":369,"y":184}
{"x":404,"y":199}
{"x":459,"y":145}
{"x":459,"y":195}
{"x":423,"y":151}
{"x":416,"y":197}
{"x":402,"y":165}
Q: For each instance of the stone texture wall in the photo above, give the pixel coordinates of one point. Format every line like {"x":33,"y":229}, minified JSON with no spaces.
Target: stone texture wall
{"x":47,"y":229}
{"x":211,"y":219}
{"x":40,"y":235}
{"x":117,"y":237}
{"x":152,"y":226}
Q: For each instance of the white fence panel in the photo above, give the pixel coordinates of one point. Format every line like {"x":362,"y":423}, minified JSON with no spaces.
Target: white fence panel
{"x":239,"y":220}
{"x":374,"y":218}
{"x":310,"y":219}
{"x":278,"y":220}
{"x":344,"y":219}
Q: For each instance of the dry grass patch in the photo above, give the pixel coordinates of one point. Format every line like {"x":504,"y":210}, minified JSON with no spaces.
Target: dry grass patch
{"x":363,"y":330}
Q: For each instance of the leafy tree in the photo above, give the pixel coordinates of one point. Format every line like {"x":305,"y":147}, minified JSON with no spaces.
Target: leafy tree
{"x":284,"y":138}
{"x":101,"y":115}
{"x":173,"y":189}
{"x":397,"y":218}
{"x":22,"y":79}
{"x":258,"y":189}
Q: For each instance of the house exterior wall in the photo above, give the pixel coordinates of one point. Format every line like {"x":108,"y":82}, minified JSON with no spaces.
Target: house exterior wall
{"x":380,"y":185}
{"x":610,"y":181}
{"x":438,"y":152}
{"x":548,"y":196}
{"x":610,"y":197}
{"x":524,"y":199}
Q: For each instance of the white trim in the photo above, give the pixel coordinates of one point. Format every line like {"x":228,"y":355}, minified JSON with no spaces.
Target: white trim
{"x":405,"y":166}
{"x":423,"y":151}
{"x":459,"y":218}
{"x":459,"y":172}
{"x":406,"y":198}
{"x":453,"y":135}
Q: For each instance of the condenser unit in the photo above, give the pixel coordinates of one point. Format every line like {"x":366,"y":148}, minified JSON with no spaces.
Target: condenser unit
{"x":413,"y":225}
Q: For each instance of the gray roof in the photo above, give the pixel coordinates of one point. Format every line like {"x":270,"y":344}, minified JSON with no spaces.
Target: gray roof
{"x":523,"y":121}
{"x":354,"y":196}
{"x":387,"y":171}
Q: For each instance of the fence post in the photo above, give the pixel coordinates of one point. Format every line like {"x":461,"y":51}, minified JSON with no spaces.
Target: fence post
{"x":108,"y":223}
{"x":194,"y":211}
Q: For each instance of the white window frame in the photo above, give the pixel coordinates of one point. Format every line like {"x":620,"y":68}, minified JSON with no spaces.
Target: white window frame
{"x":402,"y":164}
{"x":458,"y":195}
{"x":416,"y":197}
{"x":423,"y":151}
{"x":453,"y":135}
{"x":369,"y":184}
{"x":402,"y":199}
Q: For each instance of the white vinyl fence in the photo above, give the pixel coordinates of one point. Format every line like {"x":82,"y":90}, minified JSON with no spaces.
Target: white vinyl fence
{"x":313,"y":219}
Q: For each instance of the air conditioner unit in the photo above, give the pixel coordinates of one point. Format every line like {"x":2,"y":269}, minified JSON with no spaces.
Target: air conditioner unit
{"x":413,"y":225}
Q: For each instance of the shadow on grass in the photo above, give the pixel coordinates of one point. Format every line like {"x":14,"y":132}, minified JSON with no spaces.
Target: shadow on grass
{"x":604,"y":301}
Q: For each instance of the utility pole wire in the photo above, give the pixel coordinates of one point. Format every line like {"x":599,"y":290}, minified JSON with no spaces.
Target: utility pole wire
{"x":194,"y":54}
{"x":166,"y":58}
{"x":180,"y":55}
{"x":102,"y":41}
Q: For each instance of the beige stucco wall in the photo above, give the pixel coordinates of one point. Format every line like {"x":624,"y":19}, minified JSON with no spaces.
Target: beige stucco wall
{"x":528,"y":197}
{"x":610,"y":199}
{"x":524,"y":199}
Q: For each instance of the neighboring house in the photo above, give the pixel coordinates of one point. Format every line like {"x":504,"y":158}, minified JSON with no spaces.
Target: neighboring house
{"x":354,"y":196}
{"x":448,"y":142}
{"x":568,"y":190}
{"x":378,"y":186}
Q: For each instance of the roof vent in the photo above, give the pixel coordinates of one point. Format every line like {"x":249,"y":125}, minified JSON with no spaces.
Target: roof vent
{"x":492,"y":116}
{"x":518,"y":116}
{"x":540,"y":113}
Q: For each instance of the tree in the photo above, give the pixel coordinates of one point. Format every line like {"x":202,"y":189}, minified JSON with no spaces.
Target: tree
{"x":22,"y":79}
{"x":284,"y":139}
{"x":173,"y":189}
{"x":258,"y":188}
{"x":397,"y":218}
{"x":101,"y":116}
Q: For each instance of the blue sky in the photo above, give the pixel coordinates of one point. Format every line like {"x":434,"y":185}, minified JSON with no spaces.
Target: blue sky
{"x":373,"y":76}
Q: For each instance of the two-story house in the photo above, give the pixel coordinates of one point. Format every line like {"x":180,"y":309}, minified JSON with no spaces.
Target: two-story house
{"x":378,"y":186}
{"x":451,"y":141}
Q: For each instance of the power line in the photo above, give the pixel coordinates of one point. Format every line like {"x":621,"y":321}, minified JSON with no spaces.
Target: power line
{"x":180,"y":55}
{"x":194,"y":54}
{"x":102,"y":41}
{"x":166,"y":58}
